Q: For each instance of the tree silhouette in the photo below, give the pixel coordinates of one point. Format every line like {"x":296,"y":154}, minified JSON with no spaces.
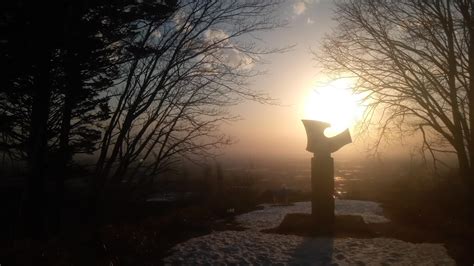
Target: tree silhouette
{"x":53,"y":96}
{"x":414,"y":62}
{"x":146,"y":82}
{"x":185,"y":71}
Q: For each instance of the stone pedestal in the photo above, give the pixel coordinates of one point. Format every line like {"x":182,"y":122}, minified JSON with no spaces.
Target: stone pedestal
{"x":322,"y":185}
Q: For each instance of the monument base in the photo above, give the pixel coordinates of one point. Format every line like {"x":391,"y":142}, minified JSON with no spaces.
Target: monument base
{"x":304,"y":224}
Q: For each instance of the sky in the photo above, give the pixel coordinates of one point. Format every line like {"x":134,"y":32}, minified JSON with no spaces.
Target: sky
{"x":276,"y":130}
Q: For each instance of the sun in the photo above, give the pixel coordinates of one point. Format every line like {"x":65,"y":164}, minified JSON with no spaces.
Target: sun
{"x":336,"y":104}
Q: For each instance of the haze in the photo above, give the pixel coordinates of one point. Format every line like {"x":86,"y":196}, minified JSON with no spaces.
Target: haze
{"x":276,"y":131}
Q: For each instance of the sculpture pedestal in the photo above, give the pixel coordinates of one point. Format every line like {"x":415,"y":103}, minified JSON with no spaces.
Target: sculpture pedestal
{"x":322,"y":185}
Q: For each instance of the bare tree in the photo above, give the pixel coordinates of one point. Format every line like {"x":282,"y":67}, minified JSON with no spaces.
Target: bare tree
{"x":184,"y":72}
{"x":414,"y":62}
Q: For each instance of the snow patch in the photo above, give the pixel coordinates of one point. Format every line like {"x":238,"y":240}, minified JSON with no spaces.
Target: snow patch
{"x":251,"y":247}
{"x":272,"y":215}
{"x":254,"y":247}
{"x":370,"y":211}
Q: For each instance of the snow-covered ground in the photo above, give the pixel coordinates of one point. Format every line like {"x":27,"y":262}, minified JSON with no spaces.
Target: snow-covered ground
{"x":250,"y":247}
{"x":253,"y":247}
{"x":271,"y":216}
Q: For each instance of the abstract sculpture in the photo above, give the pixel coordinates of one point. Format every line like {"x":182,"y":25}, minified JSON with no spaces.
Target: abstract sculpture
{"x":322,"y":169}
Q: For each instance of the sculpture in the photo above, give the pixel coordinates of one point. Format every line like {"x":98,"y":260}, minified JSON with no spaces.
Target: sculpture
{"x":322,"y":169}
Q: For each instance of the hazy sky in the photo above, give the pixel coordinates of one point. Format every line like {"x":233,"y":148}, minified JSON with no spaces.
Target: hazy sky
{"x":277,"y":131}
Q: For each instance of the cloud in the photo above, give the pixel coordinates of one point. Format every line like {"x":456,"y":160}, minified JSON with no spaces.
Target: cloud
{"x":228,"y":55}
{"x":179,"y":17}
{"x":313,"y":1}
{"x":299,"y":7}
{"x":215,"y":35}
{"x":238,"y":60}
{"x":156,"y":34}
{"x":310,"y":21}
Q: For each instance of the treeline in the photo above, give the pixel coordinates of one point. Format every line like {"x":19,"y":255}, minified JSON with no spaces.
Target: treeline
{"x":136,"y":86}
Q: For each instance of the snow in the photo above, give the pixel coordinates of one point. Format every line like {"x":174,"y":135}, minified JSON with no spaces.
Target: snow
{"x":254,"y":247}
{"x":271,"y":216}
{"x":250,"y":247}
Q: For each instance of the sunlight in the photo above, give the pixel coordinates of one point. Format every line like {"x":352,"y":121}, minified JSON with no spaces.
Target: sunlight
{"x":334,"y":103}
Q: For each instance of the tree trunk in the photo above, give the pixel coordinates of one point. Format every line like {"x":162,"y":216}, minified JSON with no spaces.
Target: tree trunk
{"x":463,"y":164}
{"x":457,"y":131}
{"x":36,"y":201}
{"x":469,"y":174}
{"x":73,"y":85}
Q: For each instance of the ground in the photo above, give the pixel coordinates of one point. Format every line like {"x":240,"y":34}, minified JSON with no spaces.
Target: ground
{"x":390,"y":207}
{"x":252,"y":246}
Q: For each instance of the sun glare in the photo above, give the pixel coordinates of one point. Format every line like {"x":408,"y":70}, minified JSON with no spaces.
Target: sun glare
{"x":334,"y":103}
